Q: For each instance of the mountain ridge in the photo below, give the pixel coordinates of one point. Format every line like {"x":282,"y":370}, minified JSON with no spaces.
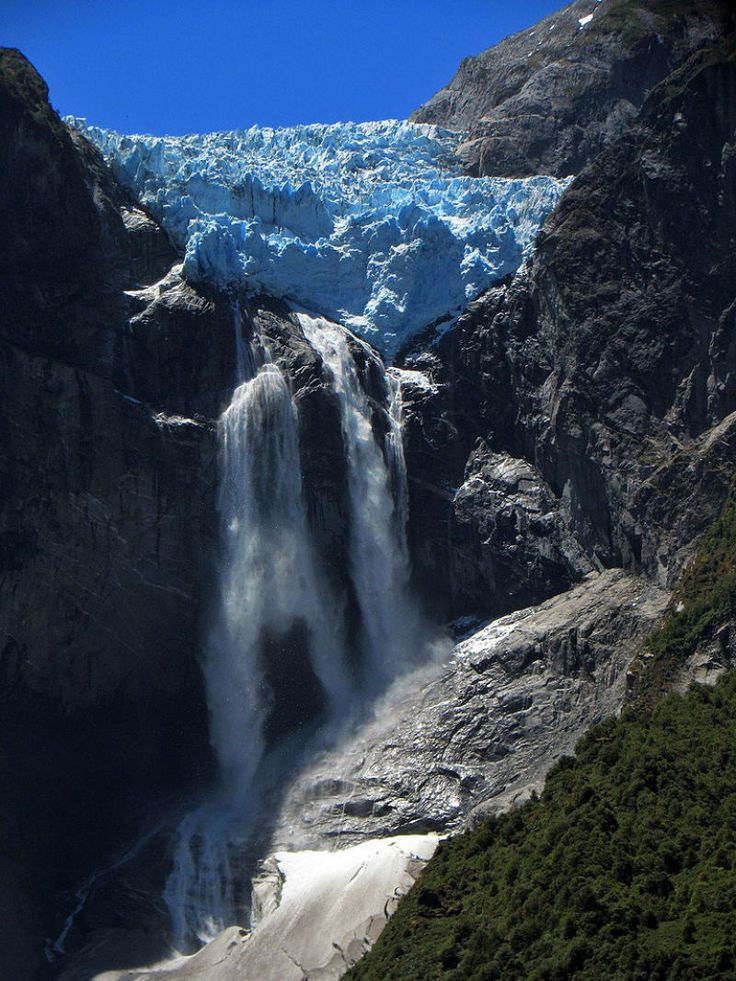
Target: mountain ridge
{"x":550,"y":98}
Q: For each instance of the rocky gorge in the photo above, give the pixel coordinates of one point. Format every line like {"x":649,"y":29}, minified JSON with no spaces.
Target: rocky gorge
{"x":567,"y":438}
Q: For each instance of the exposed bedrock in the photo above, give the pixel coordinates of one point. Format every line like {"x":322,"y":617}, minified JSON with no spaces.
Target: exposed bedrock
{"x":598,"y":384}
{"x":548,"y":99}
{"x":516,"y":695}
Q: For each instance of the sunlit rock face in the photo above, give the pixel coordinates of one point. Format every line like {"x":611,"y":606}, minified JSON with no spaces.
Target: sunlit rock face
{"x":371,"y":224}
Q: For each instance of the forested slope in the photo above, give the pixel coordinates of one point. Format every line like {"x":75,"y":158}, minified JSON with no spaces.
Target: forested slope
{"x":625,"y":868}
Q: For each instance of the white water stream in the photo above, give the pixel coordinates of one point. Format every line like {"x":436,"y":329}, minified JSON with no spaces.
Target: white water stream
{"x":271,"y":583}
{"x":379,"y":560}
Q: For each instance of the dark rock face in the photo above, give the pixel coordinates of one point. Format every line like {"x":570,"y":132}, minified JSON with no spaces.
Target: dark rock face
{"x":112,"y":370}
{"x":511,"y":535}
{"x":549,"y":99}
{"x":604,"y":367}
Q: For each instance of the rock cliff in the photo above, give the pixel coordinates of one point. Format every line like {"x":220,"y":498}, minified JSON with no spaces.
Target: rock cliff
{"x":547,"y":100}
{"x":107,"y":416}
{"x":596,"y":390}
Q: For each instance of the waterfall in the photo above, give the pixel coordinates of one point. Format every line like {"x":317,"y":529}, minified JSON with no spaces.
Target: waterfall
{"x":275,"y":621}
{"x":270,"y":580}
{"x":269,"y":588}
{"x":245,"y":366}
{"x":393,"y":630}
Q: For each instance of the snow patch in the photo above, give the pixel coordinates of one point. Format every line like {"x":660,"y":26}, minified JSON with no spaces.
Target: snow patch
{"x":585,"y":20}
{"x":175,"y":421}
{"x":317,"y":914}
{"x":328,"y":902}
{"x":410,"y":376}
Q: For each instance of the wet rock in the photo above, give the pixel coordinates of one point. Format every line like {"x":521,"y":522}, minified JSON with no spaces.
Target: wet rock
{"x":516,"y":696}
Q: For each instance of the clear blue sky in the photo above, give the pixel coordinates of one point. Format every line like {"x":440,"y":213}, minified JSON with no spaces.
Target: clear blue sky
{"x":179,"y":66}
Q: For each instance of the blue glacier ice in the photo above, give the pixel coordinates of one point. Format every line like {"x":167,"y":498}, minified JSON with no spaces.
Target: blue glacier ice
{"x":373,"y":225}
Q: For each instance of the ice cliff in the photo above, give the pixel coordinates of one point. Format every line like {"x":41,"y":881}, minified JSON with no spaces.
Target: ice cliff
{"x":370,"y":224}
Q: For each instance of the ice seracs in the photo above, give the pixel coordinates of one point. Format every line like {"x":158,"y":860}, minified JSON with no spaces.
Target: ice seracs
{"x":371,"y":224}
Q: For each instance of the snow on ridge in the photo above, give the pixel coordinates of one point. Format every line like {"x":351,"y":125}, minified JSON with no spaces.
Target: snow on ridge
{"x":372,"y":224}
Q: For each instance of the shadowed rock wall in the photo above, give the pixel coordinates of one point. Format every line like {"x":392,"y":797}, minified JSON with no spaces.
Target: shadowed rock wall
{"x":111,"y":374}
{"x":605,"y":370}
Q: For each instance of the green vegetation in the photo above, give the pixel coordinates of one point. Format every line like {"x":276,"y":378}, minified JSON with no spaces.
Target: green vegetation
{"x":704,"y":600}
{"x":625,"y":868}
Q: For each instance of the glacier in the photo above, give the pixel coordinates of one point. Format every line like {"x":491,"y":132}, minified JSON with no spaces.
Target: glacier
{"x":373,"y":225}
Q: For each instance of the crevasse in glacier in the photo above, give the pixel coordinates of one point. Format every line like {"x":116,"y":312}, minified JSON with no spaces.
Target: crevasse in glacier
{"x":370,"y":224}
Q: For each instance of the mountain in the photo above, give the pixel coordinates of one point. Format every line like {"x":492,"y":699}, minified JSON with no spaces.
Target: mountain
{"x":547,"y":100}
{"x":606,"y":367}
{"x":535,"y":470}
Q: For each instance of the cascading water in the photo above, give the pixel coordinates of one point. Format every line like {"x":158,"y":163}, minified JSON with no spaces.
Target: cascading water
{"x":269,"y":586}
{"x":273,"y":597}
{"x":394,"y":632}
{"x":270,"y":581}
